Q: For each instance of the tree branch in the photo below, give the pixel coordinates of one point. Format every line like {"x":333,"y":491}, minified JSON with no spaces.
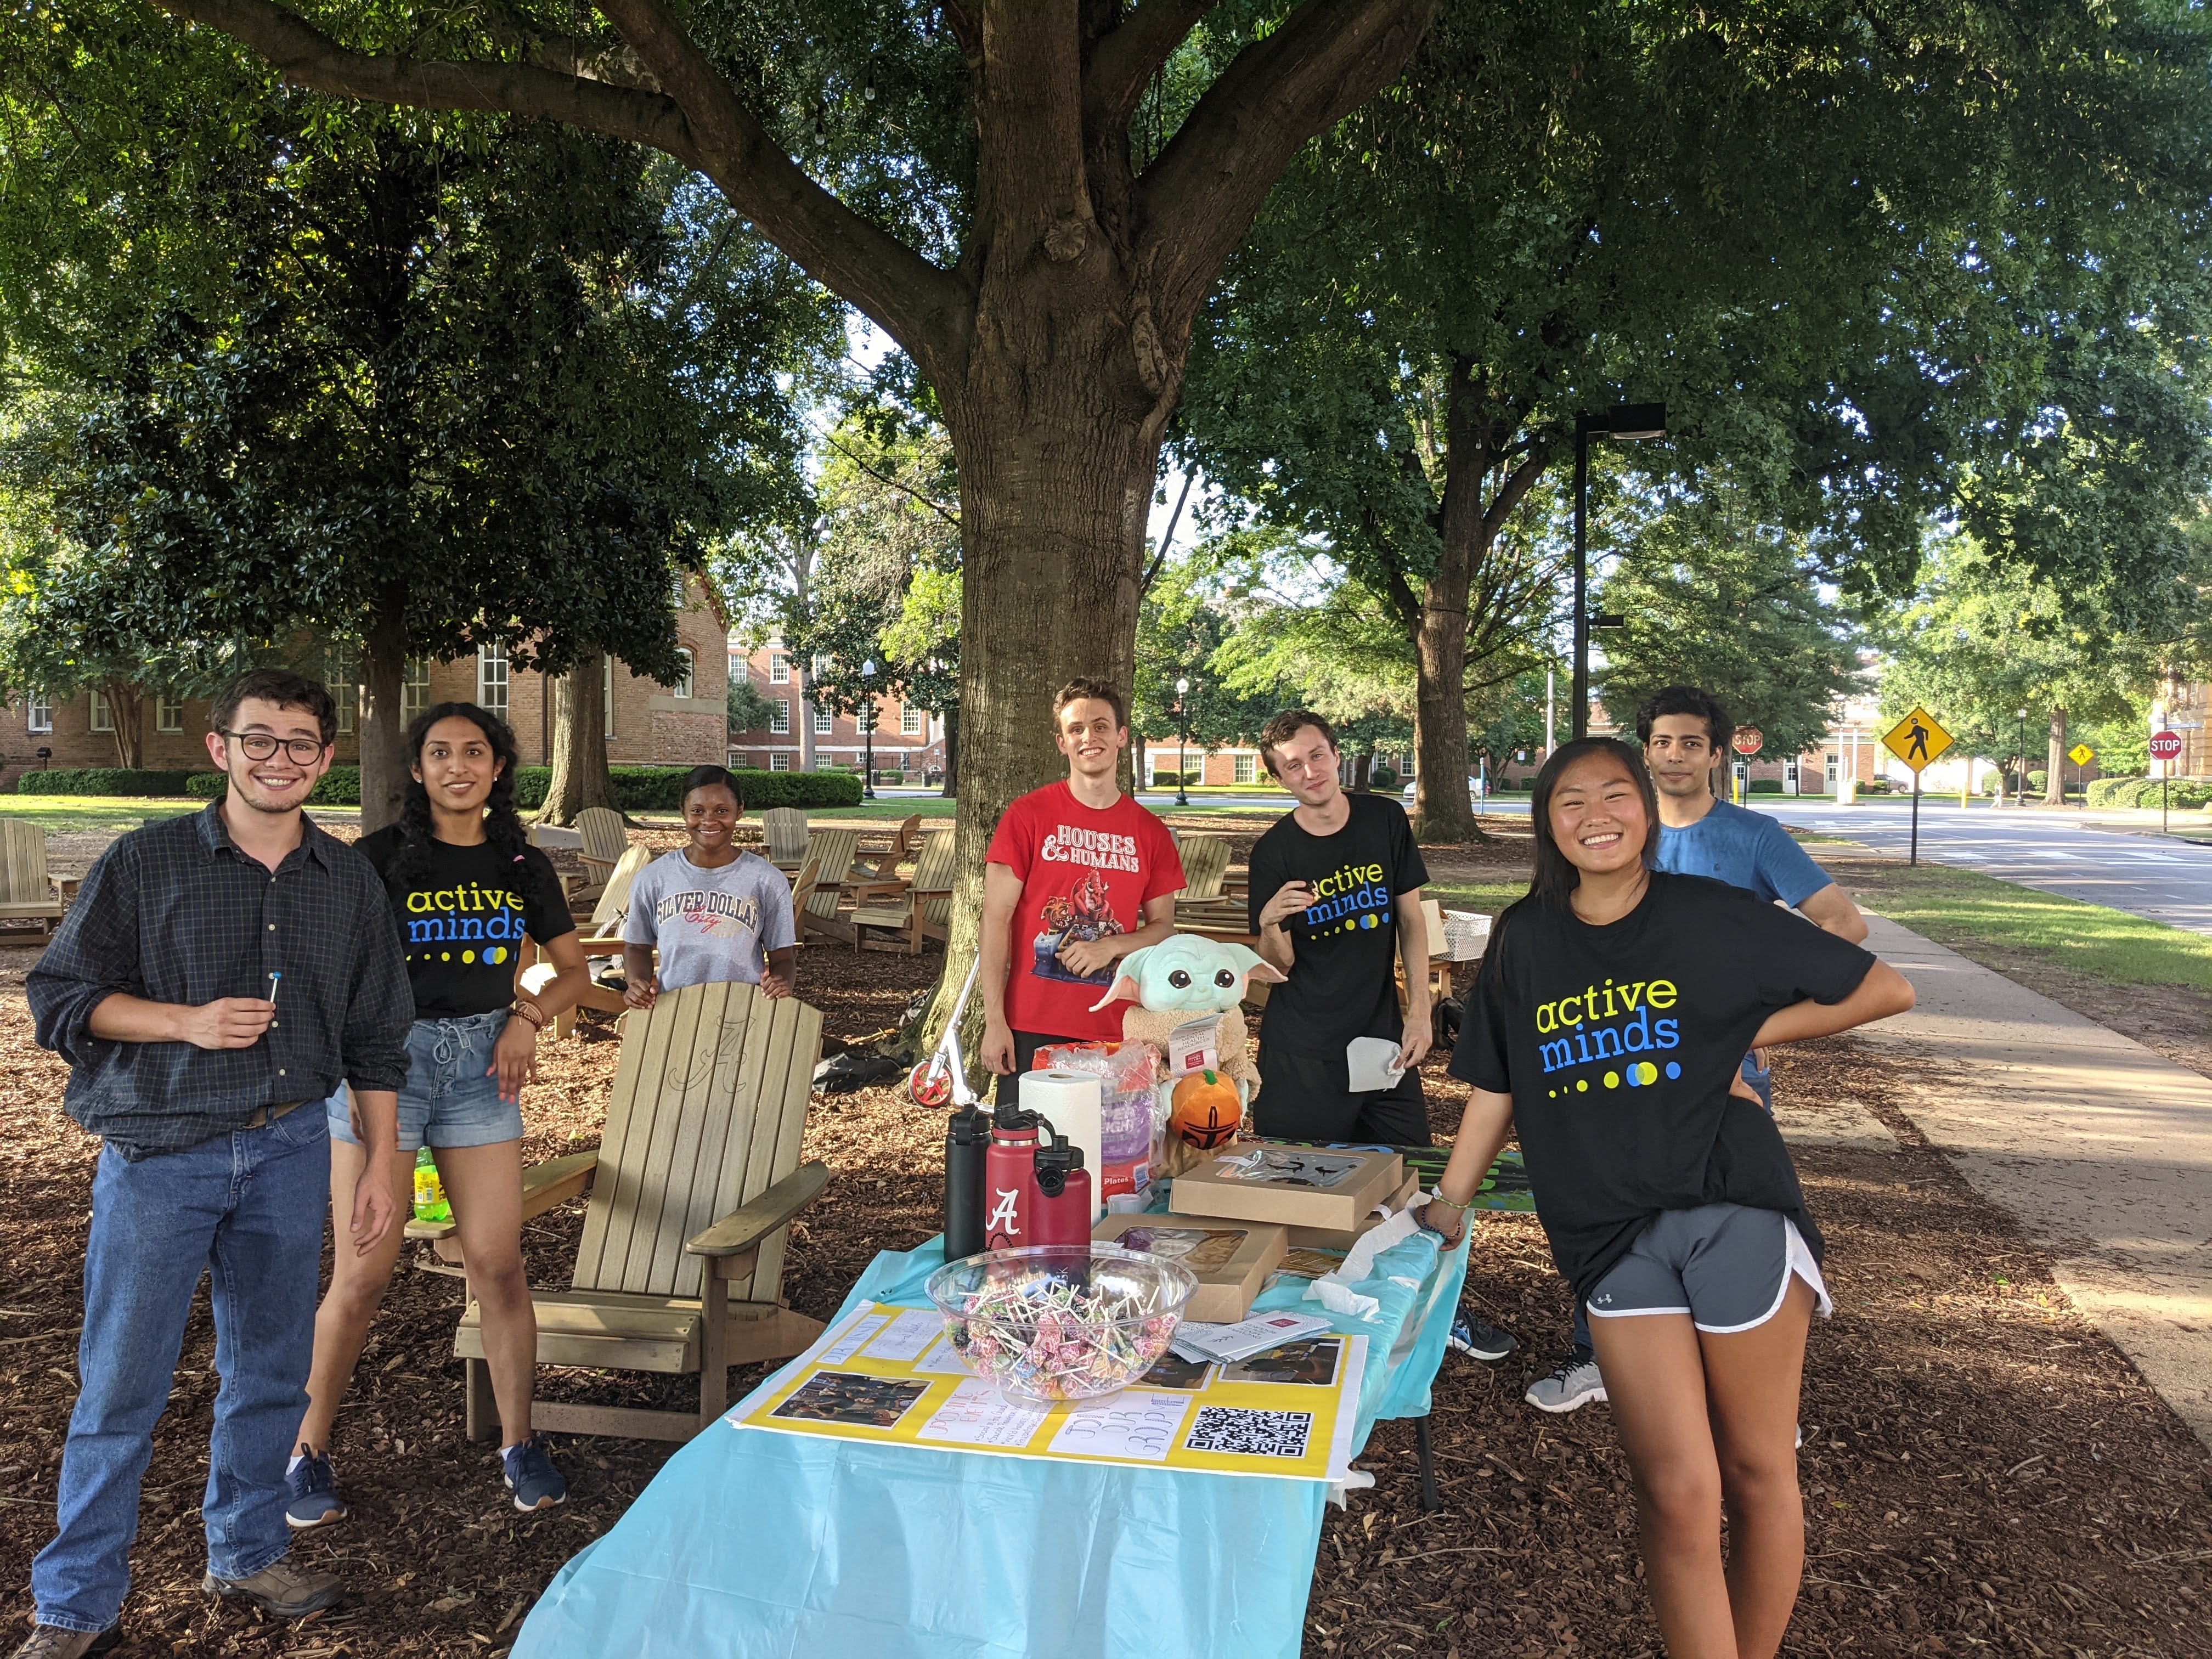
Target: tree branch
{"x":1517,"y":485}
{"x":1203,"y":191}
{"x":696,"y":118}
{"x":882,"y":477}
{"x":1126,"y":55}
{"x":307,"y":57}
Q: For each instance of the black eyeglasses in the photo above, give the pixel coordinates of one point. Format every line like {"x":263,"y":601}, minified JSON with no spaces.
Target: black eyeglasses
{"x":259,"y":745}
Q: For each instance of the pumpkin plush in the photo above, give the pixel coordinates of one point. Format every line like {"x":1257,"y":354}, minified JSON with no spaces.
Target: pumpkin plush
{"x":1182,"y":978}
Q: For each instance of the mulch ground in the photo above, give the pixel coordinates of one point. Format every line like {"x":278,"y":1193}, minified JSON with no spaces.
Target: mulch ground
{"x":1983,"y":1470}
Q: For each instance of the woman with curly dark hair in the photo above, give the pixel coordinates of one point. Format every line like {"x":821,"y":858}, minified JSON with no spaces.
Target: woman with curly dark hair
{"x":466,"y":888}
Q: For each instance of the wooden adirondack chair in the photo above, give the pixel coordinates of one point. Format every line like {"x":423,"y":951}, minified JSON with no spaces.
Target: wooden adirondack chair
{"x":1202,"y":904}
{"x":605,"y":841}
{"x":902,"y":915}
{"x":27,"y":892}
{"x":830,"y":853}
{"x":681,"y":1264}
{"x":785,"y":827}
{"x":879,"y":877}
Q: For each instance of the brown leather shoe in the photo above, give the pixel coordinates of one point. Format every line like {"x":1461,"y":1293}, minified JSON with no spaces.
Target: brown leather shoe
{"x":52,"y":1642}
{"x":281,"y":1589}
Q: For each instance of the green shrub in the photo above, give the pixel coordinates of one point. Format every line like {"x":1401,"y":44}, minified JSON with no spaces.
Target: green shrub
{"x":1382,"y":777}
{"x":661,"y":788}
{"x":1766,"y":786}
{"x":2038,"y":782}
{"x":107,"y":780}
{"x":1874,"y":786}
{"x":339,"y":787}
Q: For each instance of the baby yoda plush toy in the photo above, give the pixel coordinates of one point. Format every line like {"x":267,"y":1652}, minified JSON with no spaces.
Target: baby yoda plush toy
{"x":1183,"y":978}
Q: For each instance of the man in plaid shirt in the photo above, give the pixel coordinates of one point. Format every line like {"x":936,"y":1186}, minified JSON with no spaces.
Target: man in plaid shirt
{"x":217,"y":973}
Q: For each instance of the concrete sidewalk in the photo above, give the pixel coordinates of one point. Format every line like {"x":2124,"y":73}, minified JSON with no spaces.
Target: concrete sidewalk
{"x":2100,"y":1147}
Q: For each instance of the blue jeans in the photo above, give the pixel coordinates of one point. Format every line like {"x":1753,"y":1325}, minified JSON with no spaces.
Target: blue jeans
{"x":450,"y":1098}
{"x":1762,"y":1084}
{"x":248,"y":1208}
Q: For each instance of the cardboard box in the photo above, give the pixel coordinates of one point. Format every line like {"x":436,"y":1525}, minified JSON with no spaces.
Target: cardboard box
{"x":1232,"y":1260}
{"x":1293,"y":1186}
{"x":1338,"y":1238}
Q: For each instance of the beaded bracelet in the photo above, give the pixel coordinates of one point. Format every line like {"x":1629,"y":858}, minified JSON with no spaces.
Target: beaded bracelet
{"x":529,"y":1010}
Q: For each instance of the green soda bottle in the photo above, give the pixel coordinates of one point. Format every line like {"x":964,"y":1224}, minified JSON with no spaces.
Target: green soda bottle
{"x":429,"y":1192}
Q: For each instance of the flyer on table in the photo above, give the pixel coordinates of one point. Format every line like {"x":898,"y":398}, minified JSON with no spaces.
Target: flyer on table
{"x":889,"y":1375}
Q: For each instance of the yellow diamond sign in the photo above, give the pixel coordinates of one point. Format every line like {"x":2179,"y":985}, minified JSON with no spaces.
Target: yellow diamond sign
{"x":1917,"y":739}
{"x":2080,"y":754}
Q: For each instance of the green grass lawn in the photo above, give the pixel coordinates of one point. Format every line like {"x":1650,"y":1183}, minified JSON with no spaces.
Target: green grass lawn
{"x":1487,"y":897}
{"x":112,"y":815}
{"x":1955,"y":907}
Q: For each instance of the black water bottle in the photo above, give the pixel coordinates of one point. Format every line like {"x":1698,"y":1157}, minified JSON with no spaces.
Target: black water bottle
{"x":967,"y":1142}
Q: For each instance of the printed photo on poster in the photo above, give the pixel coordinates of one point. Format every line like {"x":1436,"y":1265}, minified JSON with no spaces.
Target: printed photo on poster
{"x":868,"y":1402}
{"x":1312,"y":1363}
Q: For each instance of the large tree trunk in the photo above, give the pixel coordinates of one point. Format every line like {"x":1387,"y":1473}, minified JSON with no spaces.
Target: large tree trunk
{"x":952,"y":718}
{"x":581,"y":777}
{"x":384,"y":771}
{"x":2054,"y":785}
{"x":126,"y":711}
{"x":805,"y":713}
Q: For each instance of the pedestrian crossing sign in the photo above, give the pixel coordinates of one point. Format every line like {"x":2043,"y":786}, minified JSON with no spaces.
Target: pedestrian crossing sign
{"x":1917,"y":739}
{"x":2080,"y":754}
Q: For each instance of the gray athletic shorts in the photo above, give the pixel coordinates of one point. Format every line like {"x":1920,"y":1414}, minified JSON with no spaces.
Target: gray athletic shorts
{"x":1726,"y":1266}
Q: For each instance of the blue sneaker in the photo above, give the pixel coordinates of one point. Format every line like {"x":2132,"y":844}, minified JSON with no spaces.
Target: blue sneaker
{"x":314,"y":1494}
{"x":531,"y":1476}
{"x":1479,"y":1337}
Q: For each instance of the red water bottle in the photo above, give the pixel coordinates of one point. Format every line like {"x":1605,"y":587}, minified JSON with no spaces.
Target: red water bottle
{"x":1060,"y":1211}
{"x":1010,"y":1179}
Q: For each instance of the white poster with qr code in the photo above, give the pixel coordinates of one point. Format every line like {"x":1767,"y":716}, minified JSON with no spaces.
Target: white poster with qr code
{"x":1287,"y":1413}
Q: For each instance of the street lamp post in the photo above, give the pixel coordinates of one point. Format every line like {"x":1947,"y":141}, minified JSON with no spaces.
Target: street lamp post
{"x":868,"y":737}
{"x":1629,"y":422}
{"x":2021,"y":799}
{"x":1182,"y":739}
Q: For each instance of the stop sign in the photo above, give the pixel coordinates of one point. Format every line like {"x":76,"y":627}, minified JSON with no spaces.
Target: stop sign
{"x":1748,"y":740}
{"x":2165,"y":745}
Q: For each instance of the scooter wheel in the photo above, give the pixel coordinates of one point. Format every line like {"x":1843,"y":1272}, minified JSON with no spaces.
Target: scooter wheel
{"x":929,"y":1087}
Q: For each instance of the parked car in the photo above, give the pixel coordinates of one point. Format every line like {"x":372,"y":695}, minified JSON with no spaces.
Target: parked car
{"x":1474,"y":789}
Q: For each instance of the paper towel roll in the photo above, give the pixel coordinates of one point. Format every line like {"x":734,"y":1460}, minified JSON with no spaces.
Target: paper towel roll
{"x":1073,"y":1102}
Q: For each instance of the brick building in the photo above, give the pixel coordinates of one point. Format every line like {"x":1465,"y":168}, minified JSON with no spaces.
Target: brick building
{"x":800,"y":736}
{"x":648,"y":723}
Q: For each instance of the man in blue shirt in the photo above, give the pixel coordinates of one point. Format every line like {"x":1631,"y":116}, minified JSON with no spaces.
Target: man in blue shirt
{"x":1685,"y":736}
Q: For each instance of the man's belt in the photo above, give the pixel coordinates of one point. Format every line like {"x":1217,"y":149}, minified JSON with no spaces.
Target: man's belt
{"x":270,"y":1114}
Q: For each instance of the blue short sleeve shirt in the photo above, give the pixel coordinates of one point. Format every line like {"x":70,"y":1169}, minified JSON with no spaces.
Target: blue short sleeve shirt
{"x":1745,"y":849}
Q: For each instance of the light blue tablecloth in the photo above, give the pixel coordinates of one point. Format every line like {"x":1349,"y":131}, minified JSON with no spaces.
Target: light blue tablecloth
{"x":751,"y":1545}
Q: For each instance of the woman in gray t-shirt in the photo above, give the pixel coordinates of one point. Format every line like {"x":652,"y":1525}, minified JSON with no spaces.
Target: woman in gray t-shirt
{"x":716,"y":913}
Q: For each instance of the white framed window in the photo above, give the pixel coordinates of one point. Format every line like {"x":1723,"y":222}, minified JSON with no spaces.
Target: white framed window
{"x":342,"y":673}
{"x":1248,"y":768}
{"x":675,"y":595}
{"x":168,"y":712}
{"x":610,"y":708}
{"x":780,"y":761}
{"x":779,"y":717}
{"x":39,"y":713}
{"x":491,"y":679}
{"x":683,"y":681}
{"x":821,"y":664}
{"x":413,"y":689}
{"x":103,"y":717}
{"x":779,"y":668}
{"x":910,"y":720}
{"x":825,"y":722}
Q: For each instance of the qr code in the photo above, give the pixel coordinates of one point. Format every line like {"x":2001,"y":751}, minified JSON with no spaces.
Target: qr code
{"x":1244,"y":1433}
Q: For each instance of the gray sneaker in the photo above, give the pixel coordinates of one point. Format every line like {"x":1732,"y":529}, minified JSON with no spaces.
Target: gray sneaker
{"x":1574,"y":1384}
{"x":52,"y":1642}
{"x":280,"y":1589}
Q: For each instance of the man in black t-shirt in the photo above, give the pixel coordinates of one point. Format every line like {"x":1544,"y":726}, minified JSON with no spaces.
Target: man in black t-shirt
{"x":1336,"y":895}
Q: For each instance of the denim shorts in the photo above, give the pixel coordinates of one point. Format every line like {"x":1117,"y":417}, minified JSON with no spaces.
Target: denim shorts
{"x":450,"y":1098}
{"x":1727,"y":1266}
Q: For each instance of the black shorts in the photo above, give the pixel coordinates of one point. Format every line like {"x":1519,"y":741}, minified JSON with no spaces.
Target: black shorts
{"x":1306,"y":1099}
{"x":1026,"y":1043}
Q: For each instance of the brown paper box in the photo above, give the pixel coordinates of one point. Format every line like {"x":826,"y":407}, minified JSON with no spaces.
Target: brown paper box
{"x":1231,"y":1260}
{"x":1336,"y":1238}
{"x":1362,"y":1180}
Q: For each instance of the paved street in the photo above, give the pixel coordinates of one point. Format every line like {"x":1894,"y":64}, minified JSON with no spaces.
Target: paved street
{"x":2170,"y":881}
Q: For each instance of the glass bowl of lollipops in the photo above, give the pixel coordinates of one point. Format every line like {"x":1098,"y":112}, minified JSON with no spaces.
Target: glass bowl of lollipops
{"x":1054,"y":1322}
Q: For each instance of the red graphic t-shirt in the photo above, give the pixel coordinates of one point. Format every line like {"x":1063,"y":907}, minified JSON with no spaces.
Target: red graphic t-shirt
{"x":1085,"y":874}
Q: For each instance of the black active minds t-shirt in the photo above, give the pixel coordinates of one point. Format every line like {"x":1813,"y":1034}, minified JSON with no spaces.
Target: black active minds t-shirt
{"x":462,"y":919}
{"x":1618,"y":1043}
{"x":1342,"y":984}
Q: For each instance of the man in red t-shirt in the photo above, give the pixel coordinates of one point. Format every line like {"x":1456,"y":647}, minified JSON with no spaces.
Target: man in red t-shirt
{"x":1079,"y":875}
